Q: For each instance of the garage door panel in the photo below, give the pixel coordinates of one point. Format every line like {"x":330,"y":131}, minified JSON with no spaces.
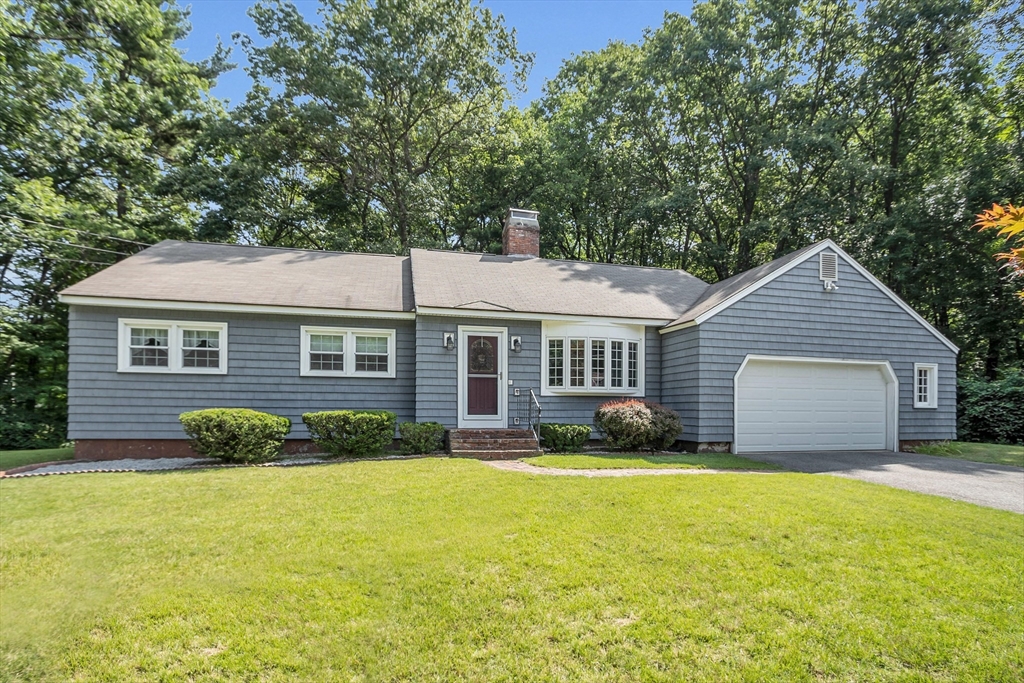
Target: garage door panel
{"x":785,"y":405}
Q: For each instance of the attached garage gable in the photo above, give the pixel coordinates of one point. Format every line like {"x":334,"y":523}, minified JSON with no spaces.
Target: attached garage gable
{"x":813,"y":404}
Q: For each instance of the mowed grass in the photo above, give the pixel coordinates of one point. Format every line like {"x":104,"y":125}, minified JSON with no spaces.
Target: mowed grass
{"x":993,"y":453}
{"x":447,"y":569}
{"x":11,"y":459}
{"x":714,"y":461}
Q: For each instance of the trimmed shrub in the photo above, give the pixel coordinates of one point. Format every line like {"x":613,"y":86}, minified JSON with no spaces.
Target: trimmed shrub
{"x":356,"y":433}
{"x":636,"y":424}
{"x":236,"y":434}
{"x":562,"y":438}
{"x":421,"y":437}
{"x":991,"y":411}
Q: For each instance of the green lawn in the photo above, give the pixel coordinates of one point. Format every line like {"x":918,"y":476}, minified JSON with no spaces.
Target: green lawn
{"x":714,"y":461}
{"x":447,"y":569}
{"x":11,"y":459}
{"x":994,"y":453}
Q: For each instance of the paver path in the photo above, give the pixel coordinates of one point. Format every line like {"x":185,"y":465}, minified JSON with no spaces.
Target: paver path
{"x":520,"y":466}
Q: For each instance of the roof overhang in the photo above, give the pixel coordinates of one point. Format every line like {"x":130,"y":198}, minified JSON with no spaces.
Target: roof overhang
{"x":122,"y":302}
{"x":825,"y":244}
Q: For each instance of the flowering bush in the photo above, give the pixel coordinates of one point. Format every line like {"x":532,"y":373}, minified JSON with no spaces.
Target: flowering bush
{"x":636,"y":424}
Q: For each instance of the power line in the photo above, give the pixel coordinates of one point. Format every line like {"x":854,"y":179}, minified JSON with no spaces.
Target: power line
{"x":72,"y":260}
{"x":84,"y":232}
{"x":80,"y":246}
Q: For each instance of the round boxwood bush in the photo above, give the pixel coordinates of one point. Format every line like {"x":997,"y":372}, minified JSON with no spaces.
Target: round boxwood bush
{"x":562,"y":438}
{"x":354,"y":433}
{"x":235,"y":434}
{"x":419,"y":438}
{"x":636,"y":424}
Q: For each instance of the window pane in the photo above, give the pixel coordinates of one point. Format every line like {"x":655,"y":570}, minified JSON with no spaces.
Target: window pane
{"x":200,"y":339}
{"x":372,"y":345}
{"x":327,"y":361}
{"x":149,"y":347}
{"x":923,"y":385}
{"x":150,"y":357}
{"x":327,"y":343}
{"x":616,"y":369}
{"x":597,"y":363}
{"x":556,"y":362}
{"x":577,"y":362}
{"x":633,"y":368}
{"x":144,"y":336}
{"x":371,"y":363}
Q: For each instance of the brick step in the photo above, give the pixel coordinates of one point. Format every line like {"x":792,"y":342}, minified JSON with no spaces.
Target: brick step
{"x":504,"y":439}
{"x":456,"y":434}
{"x":496,"y":455}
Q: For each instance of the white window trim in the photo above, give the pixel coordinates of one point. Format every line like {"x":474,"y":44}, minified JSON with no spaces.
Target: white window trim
{"x":607,"y":336}
{"x":174,"y":340}
{"x":350,"y":334}
{"x":933,"y":385}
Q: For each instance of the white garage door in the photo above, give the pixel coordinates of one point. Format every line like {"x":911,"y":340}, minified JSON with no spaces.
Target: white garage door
{"x":804,"y":406}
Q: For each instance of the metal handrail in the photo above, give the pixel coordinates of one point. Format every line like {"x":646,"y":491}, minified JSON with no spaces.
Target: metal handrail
{"x":534,"y":426}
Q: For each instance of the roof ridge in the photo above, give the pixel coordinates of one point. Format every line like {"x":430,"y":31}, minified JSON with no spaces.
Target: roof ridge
{"x":562,"y":260}
{"x":265,"y":246}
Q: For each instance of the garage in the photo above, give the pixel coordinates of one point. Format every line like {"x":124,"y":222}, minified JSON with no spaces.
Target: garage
{"x":785,"y":404}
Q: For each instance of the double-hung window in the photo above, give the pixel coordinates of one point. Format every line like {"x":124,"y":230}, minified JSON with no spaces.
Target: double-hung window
{"x":601,"y":358}
{"x":172,"y":346}
{"x":347,"y":352}
{"x":926,"y":385}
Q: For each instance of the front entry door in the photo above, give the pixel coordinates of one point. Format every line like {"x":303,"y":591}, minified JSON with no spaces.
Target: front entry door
{"x":482,"y":380}
{"x":481,"y":400}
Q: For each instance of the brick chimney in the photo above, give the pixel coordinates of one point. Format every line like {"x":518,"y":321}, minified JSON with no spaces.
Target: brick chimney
{"x":521,"y":235}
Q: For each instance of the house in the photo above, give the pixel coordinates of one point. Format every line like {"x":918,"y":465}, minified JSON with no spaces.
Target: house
{"x":808,"y":352}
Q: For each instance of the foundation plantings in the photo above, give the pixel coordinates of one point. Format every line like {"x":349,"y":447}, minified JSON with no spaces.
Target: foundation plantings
{"x":236,"y":435}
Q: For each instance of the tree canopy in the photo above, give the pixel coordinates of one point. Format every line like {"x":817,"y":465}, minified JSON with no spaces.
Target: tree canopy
{"x":719,"y":141}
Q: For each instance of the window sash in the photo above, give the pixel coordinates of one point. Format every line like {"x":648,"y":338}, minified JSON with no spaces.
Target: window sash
{"x":633,"y":365}
{"x":597,"y":363}
{"x":925,"y":385}
{"x":556,"y":362}
{"x":578,"y":363}
{"x":149,"y":347}
{"x":200,"y":348}
{"x":616,"y":364}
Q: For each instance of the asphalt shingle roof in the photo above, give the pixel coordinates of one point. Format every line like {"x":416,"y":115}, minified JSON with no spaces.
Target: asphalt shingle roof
{"x":485,"y":282}
{"x":233,"y":274}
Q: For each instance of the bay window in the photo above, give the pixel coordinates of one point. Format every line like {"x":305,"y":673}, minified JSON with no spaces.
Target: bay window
{"x":584,"y":358}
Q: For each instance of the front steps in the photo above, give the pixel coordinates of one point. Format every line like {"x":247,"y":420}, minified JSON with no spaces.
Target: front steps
{"x":492,"y":444}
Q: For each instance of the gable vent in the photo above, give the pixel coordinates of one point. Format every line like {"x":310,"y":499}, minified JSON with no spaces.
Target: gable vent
{"x":828,"y":267}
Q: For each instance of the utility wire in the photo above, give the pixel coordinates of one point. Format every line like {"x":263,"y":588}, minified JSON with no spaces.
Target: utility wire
{"x":79,"y":246}
{"x":72,"y":260}
{"x":84,"y":232}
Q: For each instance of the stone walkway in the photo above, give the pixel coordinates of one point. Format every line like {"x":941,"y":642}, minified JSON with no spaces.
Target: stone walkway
{"x":520,"y":466}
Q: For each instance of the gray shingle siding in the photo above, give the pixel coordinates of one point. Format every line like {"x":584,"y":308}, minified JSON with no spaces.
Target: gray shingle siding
{"x":794,"y":316}
{"x":263,"y":373}
{"x":436,"y":375}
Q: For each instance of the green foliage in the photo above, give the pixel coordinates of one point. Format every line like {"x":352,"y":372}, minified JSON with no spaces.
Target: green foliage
{"x":563,"y":438}
{"x":636,"y":424}
{"x":96,"y":105}
{"x":421,"y":437}
{"x":355,"y":433}
{"x":991,"y":411}
{"x":235,"y":434}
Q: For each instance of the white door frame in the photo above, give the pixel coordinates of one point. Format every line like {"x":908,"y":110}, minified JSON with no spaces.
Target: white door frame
{"x":483,"y":421}
{"x":892,"y":393}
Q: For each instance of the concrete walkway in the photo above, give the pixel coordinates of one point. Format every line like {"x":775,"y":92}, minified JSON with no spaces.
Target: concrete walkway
{"x":994,"y":486}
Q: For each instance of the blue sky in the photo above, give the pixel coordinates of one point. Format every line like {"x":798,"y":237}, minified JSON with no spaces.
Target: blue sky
{"x":553,"y":30}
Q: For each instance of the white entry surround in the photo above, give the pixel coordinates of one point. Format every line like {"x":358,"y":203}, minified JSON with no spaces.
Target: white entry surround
{"x":786,"y":403}
{"x":477,"y":421}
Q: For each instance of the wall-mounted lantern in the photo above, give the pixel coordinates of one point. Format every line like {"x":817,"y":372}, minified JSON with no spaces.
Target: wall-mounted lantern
{"x":449,"y":341}
{"x":516,"y":344}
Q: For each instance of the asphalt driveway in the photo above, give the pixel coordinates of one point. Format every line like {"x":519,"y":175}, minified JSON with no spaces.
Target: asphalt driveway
{"x":994,"y":486}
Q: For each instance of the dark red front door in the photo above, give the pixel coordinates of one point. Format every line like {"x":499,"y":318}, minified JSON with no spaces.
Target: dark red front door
{"x":482,"y":371}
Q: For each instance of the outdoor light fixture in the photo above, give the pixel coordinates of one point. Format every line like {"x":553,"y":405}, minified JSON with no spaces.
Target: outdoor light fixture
{"x":449,"y":341}
{"x":516,"y":344}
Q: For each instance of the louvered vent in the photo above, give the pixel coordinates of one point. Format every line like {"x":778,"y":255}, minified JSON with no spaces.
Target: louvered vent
{"x":828,"y":266}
